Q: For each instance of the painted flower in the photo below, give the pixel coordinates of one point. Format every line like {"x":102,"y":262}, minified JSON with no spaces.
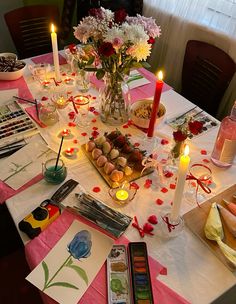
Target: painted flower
{"x":195,"y":127}
{"x":179,"y":135}
{"x":80,"y":246}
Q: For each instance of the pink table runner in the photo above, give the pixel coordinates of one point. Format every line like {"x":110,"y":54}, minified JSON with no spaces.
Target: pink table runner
{"x":39,"y":247}
{"x":48,"y":58}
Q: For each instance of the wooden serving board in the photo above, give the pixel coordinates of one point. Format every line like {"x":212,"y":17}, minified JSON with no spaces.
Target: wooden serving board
{"x":196,"y":219}
{"x":135,"y":175}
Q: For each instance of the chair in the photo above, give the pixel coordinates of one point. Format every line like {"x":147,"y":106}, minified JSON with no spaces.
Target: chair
{"x":29,"y":27}
{"x":207,"y":72}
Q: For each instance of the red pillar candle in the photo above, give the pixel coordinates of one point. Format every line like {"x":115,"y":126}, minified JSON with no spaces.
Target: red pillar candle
{"x":155,"y":105}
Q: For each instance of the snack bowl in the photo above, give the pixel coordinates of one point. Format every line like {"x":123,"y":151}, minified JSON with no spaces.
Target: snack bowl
{"x":140,"y":113}
{"x":14,"y":69}
{"x":9,"y":55}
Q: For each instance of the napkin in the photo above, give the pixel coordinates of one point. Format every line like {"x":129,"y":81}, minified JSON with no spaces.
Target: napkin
{"x":31,"y":111}
{"x":48,"y":58}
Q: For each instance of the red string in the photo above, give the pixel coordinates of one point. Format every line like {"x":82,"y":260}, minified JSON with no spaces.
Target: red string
{"x":140,"y":230}
{"x":169,"y":225}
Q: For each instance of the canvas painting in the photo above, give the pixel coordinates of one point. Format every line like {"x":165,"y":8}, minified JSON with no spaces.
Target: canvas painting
{"x":70,"y":267}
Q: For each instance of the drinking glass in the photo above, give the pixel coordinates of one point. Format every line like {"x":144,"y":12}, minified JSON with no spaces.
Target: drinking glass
{"x":82,"y":81}
{"x":48,"y":114}
{"x":199,"y":178}
{"x":53,"y":174}
{"x":82,"y":105}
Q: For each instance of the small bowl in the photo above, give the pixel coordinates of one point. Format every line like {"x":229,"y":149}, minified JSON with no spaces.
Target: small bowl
{"x":11,"y":55}
{"x":145,"y":104}
{"x":13,"y":75}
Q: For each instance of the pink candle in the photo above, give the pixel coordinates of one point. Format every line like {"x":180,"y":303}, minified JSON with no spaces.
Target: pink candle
{"x":155,"y":105}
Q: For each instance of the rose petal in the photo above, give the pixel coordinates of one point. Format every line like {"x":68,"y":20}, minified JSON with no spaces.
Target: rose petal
{"x":159,"y":201}
{"x":203,"y":152}
{"x":164,"y":141}
{"x":63,"y":74}
{"x":168,"y":174}
{"x":91,"y":109}
{"x":96,"y":189}
{"x":75,"y":141}
{"x":148,"y":183}
{"x":172,"y":186}
{"x":96,"y":113}
{"x":125,"y":126}
{"x":134,"y":185}
{"x":72,"y":124}
{"x":136,"y":144}
{"x":94,"y":97}
{"x":44,"y":98}
{"x":94,"y":120}
{"x":95,"y":134}
{"x":205,"y":160}
{"x":95,"y":128}
{"x":153,"y":219}
{"x":164,"y":190}
{"x":84,"y":134}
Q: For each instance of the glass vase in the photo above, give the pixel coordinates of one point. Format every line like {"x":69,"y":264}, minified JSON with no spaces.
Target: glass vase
{"x":177,"y":149}
{"x":114,"y":100}
{"x":82,"y":80}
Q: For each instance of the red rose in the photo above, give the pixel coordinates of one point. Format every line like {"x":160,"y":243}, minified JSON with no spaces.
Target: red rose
{"x":195,"y":127}
{"x":120,"y":16}
{"x":106,"y":49}
{"x":96,"y":12}
{"x":179,"y":136}
{"x":151,"y":40}
{"x":72,"y":48}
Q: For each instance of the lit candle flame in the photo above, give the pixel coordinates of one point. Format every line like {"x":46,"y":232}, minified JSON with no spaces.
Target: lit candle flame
{"x":52,"y":28}
{"x":160,"y":75}
{"x":186,"y":150}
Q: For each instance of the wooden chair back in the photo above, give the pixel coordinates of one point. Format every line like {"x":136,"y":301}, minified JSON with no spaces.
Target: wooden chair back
{"x":29,"y":27}
{"x":207,"y":72}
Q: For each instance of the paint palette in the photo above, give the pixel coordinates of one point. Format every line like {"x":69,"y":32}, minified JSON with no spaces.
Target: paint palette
{"x":140,"y":275}
{"x":118,"y":276}
{"x":14,"y":124}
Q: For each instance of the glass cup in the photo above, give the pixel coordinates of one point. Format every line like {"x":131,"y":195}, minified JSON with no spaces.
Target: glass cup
{"x":82,"y":81}
{"x":48,"y":114}
{"x":40,"y":71}
{"x":82,"y":104}
{"x":60,"y":100}
{"x":53,"y":174}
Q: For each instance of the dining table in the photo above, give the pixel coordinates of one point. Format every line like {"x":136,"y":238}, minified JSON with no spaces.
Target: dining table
{"x":183,"y":269}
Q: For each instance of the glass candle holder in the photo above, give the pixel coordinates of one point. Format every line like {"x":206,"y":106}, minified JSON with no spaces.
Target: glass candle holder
{"x":53,"y":174}
{"x":48,"y":114}
{"x":123,"y":194}
{"x":60,"y":100}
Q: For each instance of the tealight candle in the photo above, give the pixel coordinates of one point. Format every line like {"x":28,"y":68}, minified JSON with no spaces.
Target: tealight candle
{"x":122,"y":195}
{"x":69,"y":81}
{"x":65,"y":133}
{"x":46,"y":84}
{"x":81,"y":100}
{"x":61,"y":102}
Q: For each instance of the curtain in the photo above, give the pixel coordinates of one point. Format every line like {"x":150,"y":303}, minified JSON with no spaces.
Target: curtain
{"x":183,"y":20}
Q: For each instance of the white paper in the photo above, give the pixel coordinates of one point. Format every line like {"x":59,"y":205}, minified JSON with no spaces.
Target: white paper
{"x":25,"y":164}
{"x":100,"y":249}
{"x":136,"y":80}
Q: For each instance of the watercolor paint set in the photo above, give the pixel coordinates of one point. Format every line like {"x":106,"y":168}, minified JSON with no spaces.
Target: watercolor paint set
{"x":15,"y":125}
{"x":128,"y":275}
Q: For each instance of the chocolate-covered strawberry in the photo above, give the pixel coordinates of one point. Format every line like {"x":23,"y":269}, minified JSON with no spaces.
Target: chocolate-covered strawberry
{"x":113,"y":134}
{"x":106,"y":147}
{"x":136,"y":156}
{"x":120,"y":141}
{"x":127,"y":148}
{"x":114,"y":153}
{"x":96,"y":153}
{"x":101,"y":161}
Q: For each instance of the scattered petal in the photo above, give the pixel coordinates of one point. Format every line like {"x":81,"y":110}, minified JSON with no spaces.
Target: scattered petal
{"x":164,"y":190}
{"x":168,"y":174}
{"x":193,"y":184}
{"x":95,"y":134}
{"x":72,"y":124}
{"x":84,"y":134}
{"x":75,"y":141}
{"x":96,"y":189}
{"x":44,"y":98}
{"x":203,"y":152}
{"x":153,"y":219}
{"x":95,"y":128}
{"x":148,"y":183}
{"x":125,"y":126}
{"x":159,"y":201}
{"x":96,"y":113}
{"x":94,"y":120}
{"x":91,"y":109}
{"x":205,"y":160}
{"x":134,"y":185}
{"x":171,"y":203}
{"x":164,"y":141}
{"x":136,"y":144}
{"x":94,"y":97}
{"x":63,"y":74}
{"x":172,"y":186}
{"x":73,"y":74}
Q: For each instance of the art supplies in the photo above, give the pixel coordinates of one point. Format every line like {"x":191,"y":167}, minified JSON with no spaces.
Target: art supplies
{"x":140,"y":274}
{"x":118,"y":282}
{"x":15,"y":125}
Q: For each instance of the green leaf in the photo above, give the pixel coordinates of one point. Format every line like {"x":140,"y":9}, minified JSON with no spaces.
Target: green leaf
{"x":81,"y":272}
{"x":145,"y":64}
{"x":91,"y":60}
{"x":100,"y":73}
{"x":70,"y":261}
{"x":63,"y":284}
{"x":46,"y":272}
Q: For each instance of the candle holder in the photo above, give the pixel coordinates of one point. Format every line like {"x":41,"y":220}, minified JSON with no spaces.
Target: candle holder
{"x":71,"y":153}
{"x":60,"y":100}
{"x":66,"y":133}
{"x":123,"y":194}
{"x":169,"y":228}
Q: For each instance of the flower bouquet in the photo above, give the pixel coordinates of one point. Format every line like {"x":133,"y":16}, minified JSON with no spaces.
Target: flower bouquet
{"x":119,"y":43}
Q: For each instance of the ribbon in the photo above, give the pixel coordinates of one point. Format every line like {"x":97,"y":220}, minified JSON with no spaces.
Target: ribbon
{"x":73,"y":102}
{"x":200,"y":181}
{"x":140,"y":230}
{"x":169,"y":225}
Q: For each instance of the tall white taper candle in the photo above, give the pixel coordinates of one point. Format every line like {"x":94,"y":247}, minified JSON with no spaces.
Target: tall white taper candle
{"x":55,"y":53}
{"x":182,"y":172}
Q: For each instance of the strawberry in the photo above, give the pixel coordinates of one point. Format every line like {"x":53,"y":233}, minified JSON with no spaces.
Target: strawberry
{"x":127,"y":148}
{"x":113,"y":135}
{"x":136,"y":156}
{"x":119,"y":141}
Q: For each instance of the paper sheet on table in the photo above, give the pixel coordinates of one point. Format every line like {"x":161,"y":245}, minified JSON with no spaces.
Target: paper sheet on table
{"x":78,"y":270}
{"x":136,"y":80}
{"x":25,"y":164}
{"x":7,"y":96}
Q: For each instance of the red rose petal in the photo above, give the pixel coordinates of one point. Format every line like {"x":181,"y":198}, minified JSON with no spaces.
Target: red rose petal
{"x":73,"y":74}
{"x":94,"y":120}
{"x":96,"y":113}
{"x":148,"y":183}
{"x":63,"y":74}
{"x":168,"y":174}
{"x":153,"y":219}
{"x":95,"y":128}
{"x":75,"y":141}
{"x":164,"y":141}
{"x":95,"y":134}
{"x":172,"y":186}
{"x":91,"y":109}
{"x":136,"y":144}
{"x":44,"y":98}
{"x":72,"y":124}
{"x":164,"y":190}
{"x":129,"y":123}
{"x":205,"y":160}
{"x":96,"y":189}
{"x":94,"y":97}
{"x":147,"y":228}
{"x":134,"y":185}
{"x":159,"y":201}
{"x":203,"y":152}
{"x":171,"y":203}
{"x":84,"y":134}
{"x":125,"y":126}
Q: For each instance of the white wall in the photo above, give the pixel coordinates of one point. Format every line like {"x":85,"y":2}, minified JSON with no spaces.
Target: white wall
{"x":6,"y":43}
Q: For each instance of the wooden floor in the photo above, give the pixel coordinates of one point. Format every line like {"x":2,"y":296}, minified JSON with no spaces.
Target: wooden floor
{"x":14,"y":289}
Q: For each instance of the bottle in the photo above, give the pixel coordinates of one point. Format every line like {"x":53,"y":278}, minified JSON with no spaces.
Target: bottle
{"x":225,"y":146}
